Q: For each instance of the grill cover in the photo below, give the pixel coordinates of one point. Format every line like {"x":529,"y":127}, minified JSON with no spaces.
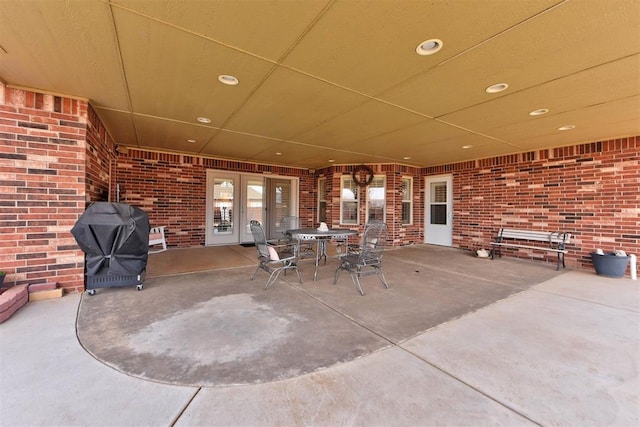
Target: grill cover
{"x":114,"y":238}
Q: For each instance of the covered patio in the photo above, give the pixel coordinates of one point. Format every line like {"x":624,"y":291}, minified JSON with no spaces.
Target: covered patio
{"x":445,"y":120}
{"x":207,"y":114}
{"x":456,"y":340}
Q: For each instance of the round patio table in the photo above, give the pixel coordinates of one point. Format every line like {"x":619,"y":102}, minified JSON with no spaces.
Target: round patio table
{"x":321,"y":238}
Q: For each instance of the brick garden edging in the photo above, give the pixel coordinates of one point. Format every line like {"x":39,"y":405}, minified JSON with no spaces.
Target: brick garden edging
{"x":12,"y":300}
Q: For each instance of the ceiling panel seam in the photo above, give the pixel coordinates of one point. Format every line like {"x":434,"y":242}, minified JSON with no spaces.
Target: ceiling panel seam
{"x":122,"y":71}
{"x":541,"y":84}
{"x":193,"y":33}
{"x":219,"y":129}
{"x":275,"y":62}
{"x":306,"y":31}
{"x":503,"y":32}
{"x":469,"y":49}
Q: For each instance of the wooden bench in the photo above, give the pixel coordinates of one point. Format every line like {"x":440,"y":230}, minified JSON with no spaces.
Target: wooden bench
{"x":556,"y":242}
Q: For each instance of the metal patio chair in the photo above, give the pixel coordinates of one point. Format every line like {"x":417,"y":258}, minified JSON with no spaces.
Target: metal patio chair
{"x":274,"y":259}
{"x":354,"y":249}
{"x":286,"y":223}
{"x":368,"y":261}
{"x":306,"y":249}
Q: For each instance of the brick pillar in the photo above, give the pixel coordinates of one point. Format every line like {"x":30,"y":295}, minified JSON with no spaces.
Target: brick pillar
{"x":42,"y":187}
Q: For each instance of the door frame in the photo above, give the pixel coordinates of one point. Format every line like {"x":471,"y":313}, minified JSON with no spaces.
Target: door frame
{"x":273,"y":216}
{"x":209,"y":237}
{"x":241,"y":179}
{"x":438,"y":234}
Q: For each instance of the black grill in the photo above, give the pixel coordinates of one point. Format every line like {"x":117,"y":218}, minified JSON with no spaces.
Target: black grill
{"x":115,"y":240}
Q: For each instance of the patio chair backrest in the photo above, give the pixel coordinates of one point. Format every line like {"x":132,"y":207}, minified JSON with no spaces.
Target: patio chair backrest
{"x":268,"y":256}
{"x":374,"y":239}
{"x":289,"y":223}
{"x":368,"y":261}
{"x":259,"y":239}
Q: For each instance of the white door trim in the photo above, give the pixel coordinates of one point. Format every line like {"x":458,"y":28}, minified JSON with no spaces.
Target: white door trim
{"x":437,"y":232}
{"x":240,"y":233}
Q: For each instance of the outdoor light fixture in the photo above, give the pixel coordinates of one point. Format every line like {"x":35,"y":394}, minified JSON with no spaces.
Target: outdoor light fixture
{"x":228,"y":80}
{"x":498,"y":87}
{"x":539,"y":112}
{"x":429,"y":47}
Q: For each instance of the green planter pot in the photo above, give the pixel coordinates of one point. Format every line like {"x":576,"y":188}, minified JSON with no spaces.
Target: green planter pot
{"x":609,"y":264}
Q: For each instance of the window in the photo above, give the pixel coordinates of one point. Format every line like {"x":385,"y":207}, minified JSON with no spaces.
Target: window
{"x":322,"y":200}
{"x":438,"y":203}
{"x":407,"y":201}
{"x":348,"y":201}
{"x":223,"y":194}
{"x":376,"y":199}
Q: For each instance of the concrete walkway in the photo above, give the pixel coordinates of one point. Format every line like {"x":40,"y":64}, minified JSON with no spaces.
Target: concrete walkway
{"x":564,"y":352}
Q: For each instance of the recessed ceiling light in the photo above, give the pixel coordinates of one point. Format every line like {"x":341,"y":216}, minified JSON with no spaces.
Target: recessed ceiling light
{"x":204,"y":120}
{"x":406,"y":158}
{"x":228,"y":80}
{"x":539,"y":112}
{"x":429,"y":47}
{"x":498,"y":87}
{"x":191,"y":141}
{"x":278,"y":154}
{"x":331,"y":160}
{"x":467,"y":146}
{"x":567,"y":127}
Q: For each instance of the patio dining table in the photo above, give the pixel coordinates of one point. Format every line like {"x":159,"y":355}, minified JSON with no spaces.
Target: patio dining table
{"x":321,"y":238}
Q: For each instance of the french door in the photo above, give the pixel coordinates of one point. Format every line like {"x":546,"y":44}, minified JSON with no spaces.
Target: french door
{"x":280,"y":204}
{"x":234,"y":199}
{"x":439,"y":210}
{"x":223,"y":217}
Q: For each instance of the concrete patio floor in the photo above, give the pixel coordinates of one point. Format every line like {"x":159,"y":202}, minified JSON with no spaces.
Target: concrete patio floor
{"x":561,"y":350}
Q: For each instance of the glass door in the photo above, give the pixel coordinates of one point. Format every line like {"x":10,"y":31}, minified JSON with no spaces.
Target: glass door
{"x":280,"y":205}
{"x":222,"y":215}
{"x":234,"y":199}
{"x":253,"y":206}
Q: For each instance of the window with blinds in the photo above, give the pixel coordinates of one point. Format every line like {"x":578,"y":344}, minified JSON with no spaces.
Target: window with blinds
{"x":376,"y":199}
{"x":407,"y":201}
{"x":348,"y":201}
{"x":438,"y":203}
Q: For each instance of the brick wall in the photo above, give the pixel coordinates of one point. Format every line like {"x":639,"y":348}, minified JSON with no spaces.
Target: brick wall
{"x":590,"y":190}
{"x":308,"y":206}
{"x":404,"y":234}
{"x":399,"y":234}
{"x":171,"y":188}
{"x":56,"y":155}
{"x":42,"y":187}
{"x":100,"y":158}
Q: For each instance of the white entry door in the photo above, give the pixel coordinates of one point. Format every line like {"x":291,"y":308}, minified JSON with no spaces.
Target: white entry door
{"x":439,"y":210}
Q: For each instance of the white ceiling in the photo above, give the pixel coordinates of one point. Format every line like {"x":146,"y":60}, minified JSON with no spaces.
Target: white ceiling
{"x":335,"y":80}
